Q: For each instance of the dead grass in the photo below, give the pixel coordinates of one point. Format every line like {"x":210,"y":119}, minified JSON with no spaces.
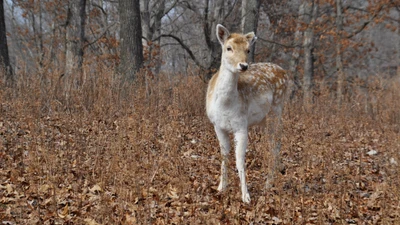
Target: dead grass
{"x":148,"y":155}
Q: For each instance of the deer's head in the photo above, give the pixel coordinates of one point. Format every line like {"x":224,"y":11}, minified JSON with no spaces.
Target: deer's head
{"x":235,"y":48}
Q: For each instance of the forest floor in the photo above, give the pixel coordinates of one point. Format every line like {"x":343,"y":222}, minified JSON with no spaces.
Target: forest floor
{"x":155,"y":160}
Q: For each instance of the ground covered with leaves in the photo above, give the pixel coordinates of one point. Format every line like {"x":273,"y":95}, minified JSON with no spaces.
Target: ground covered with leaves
{"x":155,"y":160}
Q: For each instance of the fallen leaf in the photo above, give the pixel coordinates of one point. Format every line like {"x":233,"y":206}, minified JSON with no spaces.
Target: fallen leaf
{"x":64,"y":212}
{"x":95,"y":189}
{"x":372,"y":152}
{"x":393,"y":161}
{"x":173,"y":192}
{"x":90,"y":221}
{"x":9,"y":189}
{"x":43,"y":189}
{"x":130,"y":219}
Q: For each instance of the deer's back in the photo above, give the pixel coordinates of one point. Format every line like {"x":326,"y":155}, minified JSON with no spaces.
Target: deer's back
{"x":263,"y":79}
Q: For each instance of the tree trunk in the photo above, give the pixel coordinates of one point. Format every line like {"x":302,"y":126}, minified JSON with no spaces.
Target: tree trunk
{"x":339,"y":64}
{"x":75,"y":37}
{"x":294,"y":61}
{"x":213,"y":44}
{"x":37,"y":28}
{"x":310,"y":17}
{"x":398,"y":47}
{"x":152,"y":13}
{"x":131,"y":49}
{"x":250,"y":14}
{"x":4,"y":57}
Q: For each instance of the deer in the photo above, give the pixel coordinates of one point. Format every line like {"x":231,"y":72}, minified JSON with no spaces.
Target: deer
{"x":239,"y":96}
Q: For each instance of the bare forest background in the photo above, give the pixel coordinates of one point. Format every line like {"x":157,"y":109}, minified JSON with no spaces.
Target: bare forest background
{"x":103,"y":120}
{"x":333,"y":43}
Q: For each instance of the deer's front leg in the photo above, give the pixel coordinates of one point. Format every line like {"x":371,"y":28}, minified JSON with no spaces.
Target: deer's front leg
{"x":223,"y":138}
{"x":240,"y":151}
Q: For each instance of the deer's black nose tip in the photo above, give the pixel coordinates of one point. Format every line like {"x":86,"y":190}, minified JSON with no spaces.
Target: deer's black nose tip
{"x":244,"y":67}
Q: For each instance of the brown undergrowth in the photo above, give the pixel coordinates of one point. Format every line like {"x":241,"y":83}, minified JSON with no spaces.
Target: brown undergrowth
{"x":148,"y":155}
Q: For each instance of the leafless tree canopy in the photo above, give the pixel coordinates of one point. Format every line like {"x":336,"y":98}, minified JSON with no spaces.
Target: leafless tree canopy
{"x":178,"y":35}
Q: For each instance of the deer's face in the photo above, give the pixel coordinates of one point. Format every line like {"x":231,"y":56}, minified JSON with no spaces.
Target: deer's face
{"x":234,"y":53}
{"x":235,"y":49}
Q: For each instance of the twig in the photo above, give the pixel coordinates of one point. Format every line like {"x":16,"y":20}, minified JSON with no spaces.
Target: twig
{"x":98,"y":38}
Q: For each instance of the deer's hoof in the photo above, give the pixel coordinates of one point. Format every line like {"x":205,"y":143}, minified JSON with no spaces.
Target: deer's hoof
{"x":246,"y":197}
{"x":222,"y":186}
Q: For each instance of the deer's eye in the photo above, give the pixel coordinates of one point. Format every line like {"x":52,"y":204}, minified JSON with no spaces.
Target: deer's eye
{"x":248,"y":51}
{"x":229,"y":49}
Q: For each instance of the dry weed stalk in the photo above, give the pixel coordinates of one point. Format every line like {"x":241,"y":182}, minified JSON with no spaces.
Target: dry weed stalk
{"x":117,"y":158}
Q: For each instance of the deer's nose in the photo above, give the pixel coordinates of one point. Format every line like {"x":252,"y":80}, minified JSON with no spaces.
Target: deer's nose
{"x":244,"y":66}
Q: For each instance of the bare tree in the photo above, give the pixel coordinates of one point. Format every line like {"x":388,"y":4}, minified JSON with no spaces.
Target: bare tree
{"x":152,"y":13}
{"x":339,"y":63}
{"x":209,"y":14}
{"x":397,"y":7}
{"x":294,"y":61}
{"x":131,"y":52}
{"x":75,"y":37}
{"x":346,"y":30}
{"x":398,"y":42}
{"x":4,"y":57}
{"x":310,"y":14}
{"x":218,"y":14}
{"x":250,"y":14}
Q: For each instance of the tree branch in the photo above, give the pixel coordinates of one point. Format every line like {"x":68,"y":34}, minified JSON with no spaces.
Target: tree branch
{"x":101,"y":8}
{"x":231,"y":10}
{"x":187,"y":5}
{"x":184,"y":46}
{"x":355,"y":8}
{"x":166,"y":11}
{"x":206,"y":26}
{"x":365,"y":24}
{"x":98,"y":38}
{"x":277,"y":43}
{"x":395,"y":5}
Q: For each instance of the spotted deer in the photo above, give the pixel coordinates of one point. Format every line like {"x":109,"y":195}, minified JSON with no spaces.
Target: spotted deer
{"x":240,"y":95}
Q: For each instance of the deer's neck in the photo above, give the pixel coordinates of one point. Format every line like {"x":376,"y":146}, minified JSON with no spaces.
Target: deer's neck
{"x":227,"y":82}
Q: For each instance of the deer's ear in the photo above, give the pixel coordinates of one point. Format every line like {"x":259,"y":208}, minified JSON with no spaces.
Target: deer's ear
{"x":222,"y":34}
{"x":251,"y":37}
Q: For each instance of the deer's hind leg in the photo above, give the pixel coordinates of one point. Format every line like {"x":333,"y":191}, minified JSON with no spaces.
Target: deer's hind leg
{"x":275,"y":133}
